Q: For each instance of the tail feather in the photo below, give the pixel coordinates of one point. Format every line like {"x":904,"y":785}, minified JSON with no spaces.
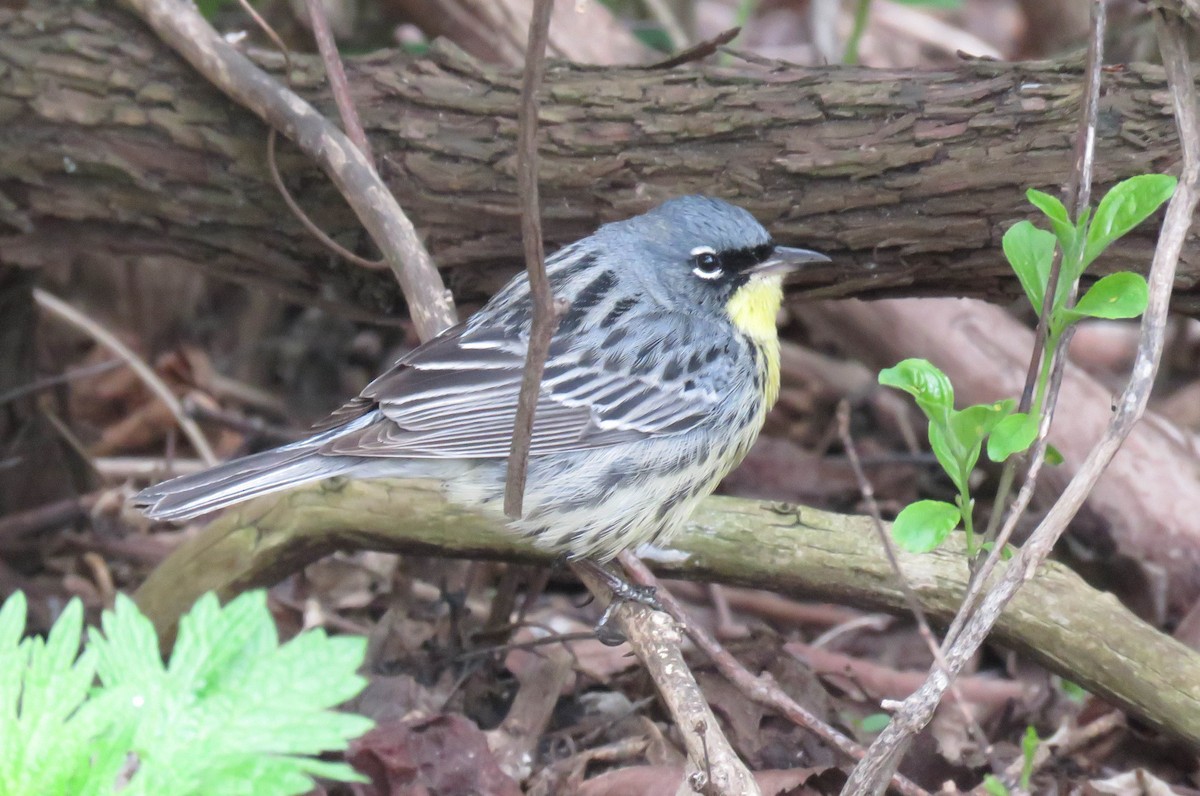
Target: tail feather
{"x":239,"y":480}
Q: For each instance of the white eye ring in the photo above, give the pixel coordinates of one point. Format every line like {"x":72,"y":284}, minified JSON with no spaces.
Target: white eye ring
{"x":708,"y":266}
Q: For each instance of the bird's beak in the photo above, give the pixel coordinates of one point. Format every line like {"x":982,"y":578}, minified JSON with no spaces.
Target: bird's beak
{"x":785,"y":260}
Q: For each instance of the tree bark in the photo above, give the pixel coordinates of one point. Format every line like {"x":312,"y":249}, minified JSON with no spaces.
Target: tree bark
{"x":111,"y":147}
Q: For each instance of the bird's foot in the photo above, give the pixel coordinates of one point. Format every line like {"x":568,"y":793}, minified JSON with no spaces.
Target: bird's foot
{"x":622,"y":591}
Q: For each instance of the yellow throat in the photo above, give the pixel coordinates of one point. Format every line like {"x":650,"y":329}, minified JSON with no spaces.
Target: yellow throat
{"x":753,"y":308}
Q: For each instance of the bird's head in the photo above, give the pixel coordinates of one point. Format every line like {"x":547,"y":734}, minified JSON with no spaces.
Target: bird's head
{"x":710,"y":254}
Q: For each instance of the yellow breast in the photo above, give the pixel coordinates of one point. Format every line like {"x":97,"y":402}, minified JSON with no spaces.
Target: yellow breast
{"x":753,"y":309}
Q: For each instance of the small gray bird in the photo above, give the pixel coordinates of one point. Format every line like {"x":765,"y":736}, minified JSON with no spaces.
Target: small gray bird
{"x":658,"y":380}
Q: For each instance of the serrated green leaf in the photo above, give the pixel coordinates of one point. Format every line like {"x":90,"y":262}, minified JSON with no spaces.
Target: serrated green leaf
{"x":1013,"y":434}
{"x":1120,"y":295}
{"x":246,"y":716}
{"x":921,"y":379}
{"x":12,"y":621}
{"x":1030,"y":252}
{"x":1129,"y":203}
{"x":126,"y":645}
{"x":922,"y":526}
{"x":245,"y":709}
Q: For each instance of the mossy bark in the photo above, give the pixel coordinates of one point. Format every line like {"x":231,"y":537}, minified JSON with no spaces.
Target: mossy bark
{"x":1084,"y":635}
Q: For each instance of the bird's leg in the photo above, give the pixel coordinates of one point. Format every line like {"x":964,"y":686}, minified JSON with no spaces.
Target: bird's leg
{"x":622,"y":590}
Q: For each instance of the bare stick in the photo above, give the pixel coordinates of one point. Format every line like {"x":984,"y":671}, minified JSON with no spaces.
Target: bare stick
{"x":68,"y":314}
{"x":762,"y":689}
{"x":697,"y":52}
{"x":181,"y":26}
{"x":1079,"y":194}
{"x":656,"y":641}
{"x":872,"y":774}
{"x":910,"y":597}
{"x":273,"y":167}
{"x":545,"y":318}
{"x":266,"y":28}
{"x":336,"y":73}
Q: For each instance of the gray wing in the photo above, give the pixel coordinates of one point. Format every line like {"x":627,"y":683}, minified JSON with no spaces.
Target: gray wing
{"x":456,"y":396}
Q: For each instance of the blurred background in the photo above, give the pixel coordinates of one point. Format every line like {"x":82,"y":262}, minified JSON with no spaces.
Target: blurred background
{"x":251,"y":367}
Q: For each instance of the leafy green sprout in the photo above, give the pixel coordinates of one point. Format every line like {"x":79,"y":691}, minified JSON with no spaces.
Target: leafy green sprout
{"x":957,"y":437}
{"x":1029,"y":747}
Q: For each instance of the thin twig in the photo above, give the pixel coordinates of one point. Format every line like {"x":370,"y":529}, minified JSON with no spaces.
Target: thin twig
{"x":872,"y":774}
{"x":762,"y":689}
{"x":270,"y":33}
{"x":68,"y":314}
{"x":308,"y":223}
{"x":655,"y":639}
{"x":180,"y":25}
{"x":696,"y":52}
{"x":1037,"y":459}
{"x":910,"y":597}
{"x":545,"y":318}
{"x":273,"y":166}
{"x":16,"y":528}
{"x":1078,"y":196}
{"x":66,"y":377}
{"x":336,"y":73}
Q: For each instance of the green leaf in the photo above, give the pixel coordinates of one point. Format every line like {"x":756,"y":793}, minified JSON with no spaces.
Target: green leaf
{"x":233,"y":706}
{"x":1054,"y":456}
{"x":1120,"y":295}
{"x":874,"y":723}
{"x":1128,"y":204}
{"x":1073,"y":691}
{"x":923,"y":381}
{"x":948,"y":454}
{"x":968,"y":429}
{"x":994,"y":787}
{"x":1030,"y":252}
{"x":1006,"y":552}
{"x":974,"y":423}
{"x":1029,"y":746}
{"x":922,"y":526}
{"x":1056,"y":213}
{"x":1013,"y":434}
{"x":209,"y":8}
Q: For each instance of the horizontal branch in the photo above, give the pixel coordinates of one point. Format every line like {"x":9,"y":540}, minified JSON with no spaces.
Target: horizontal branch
{"x":114,"y":148}
{"x":1057,"y":619}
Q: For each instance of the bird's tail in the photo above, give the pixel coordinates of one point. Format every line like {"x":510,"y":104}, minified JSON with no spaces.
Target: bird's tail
{"x":233,"y":482}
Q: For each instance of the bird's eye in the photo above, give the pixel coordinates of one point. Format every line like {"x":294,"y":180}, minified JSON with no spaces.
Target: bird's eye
{"x":706,"y":264}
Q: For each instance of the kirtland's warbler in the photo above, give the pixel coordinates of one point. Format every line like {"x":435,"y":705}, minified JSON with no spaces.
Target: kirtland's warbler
{"x":658,"y":380}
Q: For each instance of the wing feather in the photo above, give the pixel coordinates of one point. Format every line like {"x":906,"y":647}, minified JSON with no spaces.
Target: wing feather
{"x":456,"y":396}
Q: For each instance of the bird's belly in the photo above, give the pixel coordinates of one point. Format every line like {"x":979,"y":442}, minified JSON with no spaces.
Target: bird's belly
{"x":595,"y":503}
